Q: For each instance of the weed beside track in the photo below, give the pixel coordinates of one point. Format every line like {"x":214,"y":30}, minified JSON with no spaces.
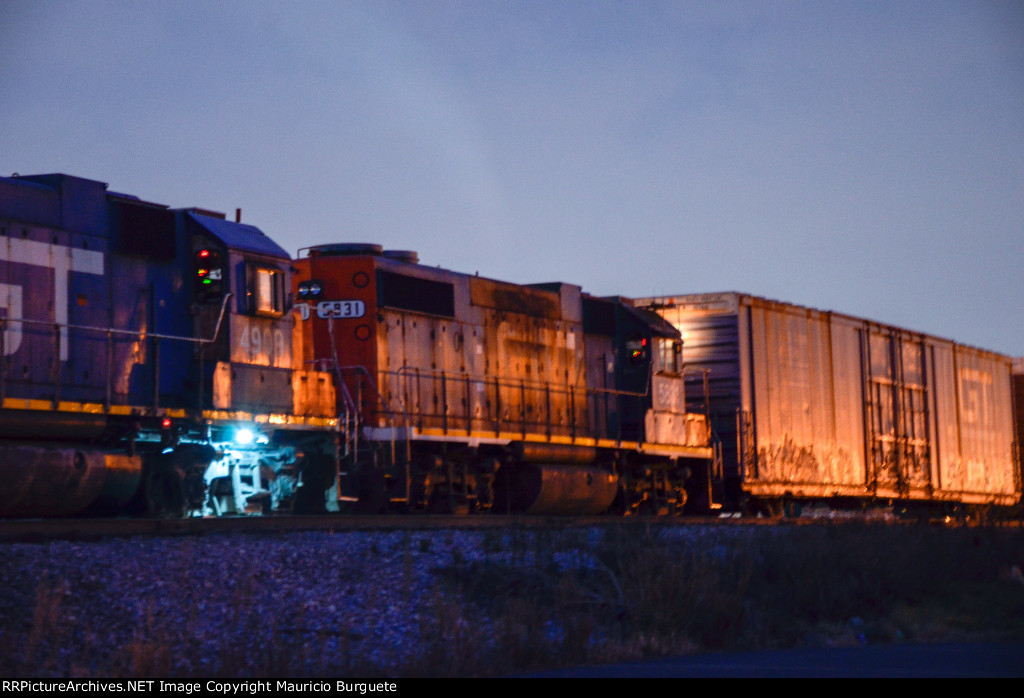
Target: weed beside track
{"x":476,"y":603}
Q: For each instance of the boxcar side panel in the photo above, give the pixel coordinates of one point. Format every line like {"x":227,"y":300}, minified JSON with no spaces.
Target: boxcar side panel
{"x":796,"y":392}
{"x":1018,"y":401}
{"x":848,"y":401}
{"x":947,"y":468}
{"x":986,"y":453}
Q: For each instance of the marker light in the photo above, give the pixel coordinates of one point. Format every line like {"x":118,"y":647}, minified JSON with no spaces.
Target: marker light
{"x":208,"y":275}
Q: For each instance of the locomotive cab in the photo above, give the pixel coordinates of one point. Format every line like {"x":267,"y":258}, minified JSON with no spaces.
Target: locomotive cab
{"x":241,"y":284}
{"x":637,"y":354}
{"x":637,"y":389}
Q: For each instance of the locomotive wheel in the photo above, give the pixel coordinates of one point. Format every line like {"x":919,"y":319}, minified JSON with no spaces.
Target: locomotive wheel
{"x":681,"y":500}
{"x":771,"y":508}
{"x":447,"y":503}
{"x":165,"y":494}
{"x":647,"y":507}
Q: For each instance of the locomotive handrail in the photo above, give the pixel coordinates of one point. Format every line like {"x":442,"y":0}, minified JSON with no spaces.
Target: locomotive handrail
{"x":142,"y":334}
{"x":506,"y":383}
{"x":369,"y":378}
{"x":109,"y":332}
{"x":380,"y":397}
{"x":521,"y":385}
{"x":448,"y":388}
{"x":349,"y":402}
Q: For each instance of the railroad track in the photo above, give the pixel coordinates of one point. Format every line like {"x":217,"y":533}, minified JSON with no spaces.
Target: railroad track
{"x":33,"y":530}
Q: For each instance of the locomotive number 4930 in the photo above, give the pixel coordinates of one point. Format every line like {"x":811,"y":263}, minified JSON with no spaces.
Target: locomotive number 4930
{"x":340,"y":309}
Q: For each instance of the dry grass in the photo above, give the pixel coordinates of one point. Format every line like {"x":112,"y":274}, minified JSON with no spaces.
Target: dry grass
{"x":642,"y":591}
{"x":546,"y":598}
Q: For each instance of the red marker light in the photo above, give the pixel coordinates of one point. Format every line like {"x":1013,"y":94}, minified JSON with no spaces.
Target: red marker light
{"x":204,"y":253}
{"x":166,"y":424}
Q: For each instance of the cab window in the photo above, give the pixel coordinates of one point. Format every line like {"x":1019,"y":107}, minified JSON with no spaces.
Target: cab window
{"x":669,"y":352}
{"x":266,"y":291}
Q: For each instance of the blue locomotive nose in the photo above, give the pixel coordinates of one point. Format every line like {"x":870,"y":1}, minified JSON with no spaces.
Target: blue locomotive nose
{"x":116,"y":371}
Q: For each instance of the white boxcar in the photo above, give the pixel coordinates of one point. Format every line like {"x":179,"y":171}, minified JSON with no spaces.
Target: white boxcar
{"x":812,"y":404}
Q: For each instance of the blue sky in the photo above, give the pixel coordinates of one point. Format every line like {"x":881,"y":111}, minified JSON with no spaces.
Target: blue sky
{"x":856,"y":156}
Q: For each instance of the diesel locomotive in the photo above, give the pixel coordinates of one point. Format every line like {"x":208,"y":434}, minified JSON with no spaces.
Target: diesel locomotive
{"x":146,"y":358}
{"x":174,"y":362}
{"x":460,"y":393}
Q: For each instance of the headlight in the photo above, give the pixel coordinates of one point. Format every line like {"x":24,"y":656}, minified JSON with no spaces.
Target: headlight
{"x":243,"y":436}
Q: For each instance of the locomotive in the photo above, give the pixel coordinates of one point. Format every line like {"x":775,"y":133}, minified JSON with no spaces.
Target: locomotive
{"x":146,"y":358}
{"x":459,"y":393}
{"x":174,"y":362}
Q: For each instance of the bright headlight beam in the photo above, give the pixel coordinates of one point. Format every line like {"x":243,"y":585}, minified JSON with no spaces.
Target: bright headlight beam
{"x":243,"y":436}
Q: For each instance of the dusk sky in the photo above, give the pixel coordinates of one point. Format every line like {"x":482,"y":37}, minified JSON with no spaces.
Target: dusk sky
{"x":864,"y":157}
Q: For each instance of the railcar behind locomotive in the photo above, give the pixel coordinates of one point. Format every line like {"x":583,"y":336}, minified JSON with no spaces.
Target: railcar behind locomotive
{"x":145,"y":350}
{"x":463,"y":393}
{"x":813,"y":405}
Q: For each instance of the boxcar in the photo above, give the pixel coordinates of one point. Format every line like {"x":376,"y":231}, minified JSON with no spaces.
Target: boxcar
{"x":817,"y":405}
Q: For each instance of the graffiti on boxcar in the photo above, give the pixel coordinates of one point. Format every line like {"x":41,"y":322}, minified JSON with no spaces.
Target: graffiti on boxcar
{"x":790,"y":461}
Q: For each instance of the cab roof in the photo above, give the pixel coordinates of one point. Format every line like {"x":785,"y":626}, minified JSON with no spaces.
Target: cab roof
{"x":238,"y":236}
